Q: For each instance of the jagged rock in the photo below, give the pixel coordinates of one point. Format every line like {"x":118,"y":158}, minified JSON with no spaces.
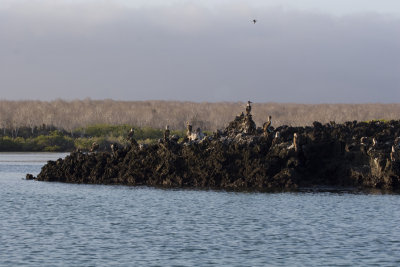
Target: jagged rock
{"x":242,"y":157}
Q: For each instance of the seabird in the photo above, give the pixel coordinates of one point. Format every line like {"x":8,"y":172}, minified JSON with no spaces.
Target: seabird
{"x":199,"y":134}
{"x":189,"y":130}
{"x":248,"y":107}
{"x":374,"y":142}
{"x":131,"y":133}
{"x":114,"y":148}
{"x":267,"y":125}
{"x":295,"y":142}
{"x":166,"y":133}
{"x":392,"y":154}
{"x":364,"y":140}
{"x":94,"y":147}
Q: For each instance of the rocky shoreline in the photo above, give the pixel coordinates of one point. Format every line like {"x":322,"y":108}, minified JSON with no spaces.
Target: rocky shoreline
{"x":245,"y":157}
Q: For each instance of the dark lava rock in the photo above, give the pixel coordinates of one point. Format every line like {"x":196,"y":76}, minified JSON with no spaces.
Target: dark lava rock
{"x":243,"y":157}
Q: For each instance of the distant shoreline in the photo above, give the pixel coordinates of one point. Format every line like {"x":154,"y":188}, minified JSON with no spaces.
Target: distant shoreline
{"x":48,"y":139}
{"x":71,"y":115}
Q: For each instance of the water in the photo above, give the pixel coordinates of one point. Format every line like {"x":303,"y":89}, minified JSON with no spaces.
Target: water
{"x":55,"y":224}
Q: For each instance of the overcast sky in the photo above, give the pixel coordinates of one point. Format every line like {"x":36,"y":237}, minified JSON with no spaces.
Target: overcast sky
{"x":304,"y":51}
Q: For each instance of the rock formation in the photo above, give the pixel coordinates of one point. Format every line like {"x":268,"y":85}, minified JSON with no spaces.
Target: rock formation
{"x":244,"y":157}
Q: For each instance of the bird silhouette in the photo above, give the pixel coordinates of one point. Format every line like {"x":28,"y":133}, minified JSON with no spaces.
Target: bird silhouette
{"x":248,"y":107}
{"x":254,"y":21}
{"x":131,"y":132}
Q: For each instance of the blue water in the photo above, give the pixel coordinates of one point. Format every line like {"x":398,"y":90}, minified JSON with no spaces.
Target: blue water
{"x":55,"y":224}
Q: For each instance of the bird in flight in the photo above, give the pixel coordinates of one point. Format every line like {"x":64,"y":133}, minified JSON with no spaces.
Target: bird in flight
{"x":254,"y":21}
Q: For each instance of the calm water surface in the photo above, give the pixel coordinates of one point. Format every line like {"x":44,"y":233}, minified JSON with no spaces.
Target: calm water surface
{"x":55,"y":224}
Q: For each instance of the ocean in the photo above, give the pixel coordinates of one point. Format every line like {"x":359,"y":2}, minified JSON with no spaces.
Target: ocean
{"x":57,"y":224}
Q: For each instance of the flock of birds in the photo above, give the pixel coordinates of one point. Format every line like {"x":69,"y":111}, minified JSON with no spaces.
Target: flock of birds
{"x":198,"y":135}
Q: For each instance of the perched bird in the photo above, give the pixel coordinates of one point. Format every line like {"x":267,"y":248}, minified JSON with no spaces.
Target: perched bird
{"x":374,"y":142}
{"x":131,"y":133}
{"x":248,"y":107}
{"x":393,"y":154}
{"x":364,"y":141}
{"x":266,"y":126}
{"x":114,"y":149}
{"x":295,"y":142}
{"x":166,"y":133}
{"x":188,"y":130}
{"x":277,"y":138}
{"x":254,"y":21}
{"x":197,"y":135}
{"x":94,"y":147}
{"x":131,"y":138}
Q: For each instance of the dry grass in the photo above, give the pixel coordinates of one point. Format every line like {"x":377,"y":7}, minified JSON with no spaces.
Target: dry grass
{"x":156,"y":114}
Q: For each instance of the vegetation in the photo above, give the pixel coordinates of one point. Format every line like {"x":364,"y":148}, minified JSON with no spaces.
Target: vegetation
{"x":55,"y":141}
{"x":66,"y":125}
{"x":81,"y":138}
{"x":71,"y":115}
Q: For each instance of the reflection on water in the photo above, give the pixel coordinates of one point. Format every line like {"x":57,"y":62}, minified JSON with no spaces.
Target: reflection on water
{"x":57,"y":224}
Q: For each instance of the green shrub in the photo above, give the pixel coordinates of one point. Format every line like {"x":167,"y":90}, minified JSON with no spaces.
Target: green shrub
{"x":8,"y":144}
{"x":103,"y":134}
{"x":52,"y":149}
{"x":56,"y":141}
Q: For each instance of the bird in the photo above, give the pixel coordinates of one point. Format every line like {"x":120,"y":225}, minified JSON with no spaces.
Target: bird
{"x":374,"y":142}
{"x":393,"y":154}
{"x":295,"y":142}
{"x":114,"y":148}
{"x":188,"y":130}
{"x":266,"y":126}
{"x":166,"y":133}
{"x":131,"y":133}
{"x":363,"y":141}
{"x":94,"y":147}
{"x":248,"y":107}
{"x":254,"y":21}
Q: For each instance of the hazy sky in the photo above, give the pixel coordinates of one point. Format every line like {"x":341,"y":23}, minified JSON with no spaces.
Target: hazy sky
{"x":306,"y":51}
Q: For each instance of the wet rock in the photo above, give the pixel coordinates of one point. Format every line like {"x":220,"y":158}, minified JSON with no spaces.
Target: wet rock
{"x":29,"y":176}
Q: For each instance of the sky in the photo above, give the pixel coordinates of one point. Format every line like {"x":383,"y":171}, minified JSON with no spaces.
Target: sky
{"x":302,"y":51}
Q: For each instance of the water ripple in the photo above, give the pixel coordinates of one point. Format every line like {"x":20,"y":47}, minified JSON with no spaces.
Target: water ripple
{"x":54,"y":224}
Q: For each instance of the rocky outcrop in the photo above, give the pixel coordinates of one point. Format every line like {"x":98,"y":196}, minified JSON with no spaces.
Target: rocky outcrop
{"x":244,"y":157}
